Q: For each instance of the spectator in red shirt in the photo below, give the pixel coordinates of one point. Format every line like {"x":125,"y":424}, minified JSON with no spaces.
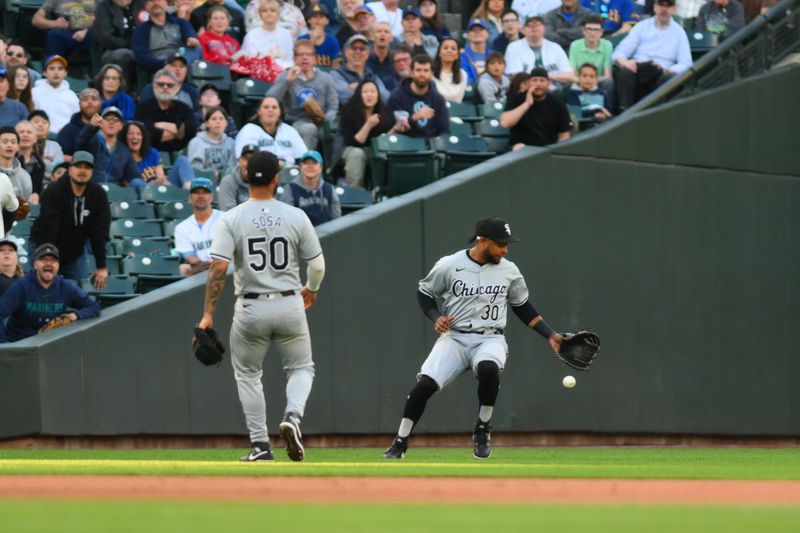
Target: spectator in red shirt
{"x":218,"y":46}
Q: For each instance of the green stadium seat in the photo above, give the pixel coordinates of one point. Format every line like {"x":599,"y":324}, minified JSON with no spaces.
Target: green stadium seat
{"x":463,"y":110}
{"x":494,"y":134}
{"x":125,"y":209}
{"x":21,"y":228}
{"x":169,"y":227}
{"x":164,"y":193}
{"x":353,"y":199}
{"x":492,"y":109}
{"x":144,"y":246}
{"x":459,"y":127}
{"x":287,"y":174}
{"x":107,"y":299}
{"x":247,"y":95}
{"x":76,"y":85}
{"x":401,"y":164}
{"x":174,"y":210}
{"x":134,"y":227}
{"x":152,"y":265}
{"x":460,"y":153}
{"x":35,"y":210}
{"x":117,"y":193}
{"x":120,"y":284}
{"x":202,"y":72}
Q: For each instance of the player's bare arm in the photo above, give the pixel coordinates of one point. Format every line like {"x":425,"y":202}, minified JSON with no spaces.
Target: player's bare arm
{"x":214,"y":287}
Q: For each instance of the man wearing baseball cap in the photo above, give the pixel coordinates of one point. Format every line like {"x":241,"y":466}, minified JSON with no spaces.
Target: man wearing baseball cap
{"x":355,"y":70}
{"x":10,"y":270}
{"x":536,"y":51}
{"x":419,"y":42}
{"x":40,"y":296}
{"x":113,"y":161}
{"x":193,"y":235}
{"x":467,"y":295}
{"x":11,"y":111}
{"x":473,"y":57}
{"x":234,"y":188}
{"x":311,"y":193}
{"x":89,"y":104}
{"x":75,"y":212}
{"x":534,"y":117}
{"x":655,"y":49}
{"x":53,"y":95}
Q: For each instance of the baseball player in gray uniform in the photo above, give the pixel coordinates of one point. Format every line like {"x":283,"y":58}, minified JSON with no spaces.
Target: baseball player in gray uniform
{"x":473,"y":288}
{"x":266,"y":239}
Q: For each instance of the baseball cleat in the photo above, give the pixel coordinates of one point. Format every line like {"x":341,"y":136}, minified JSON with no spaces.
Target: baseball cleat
{"x":290,"y":431}
{"x":262,"y":451}
{"x":482,"y":439}
{"x":398,"y":448}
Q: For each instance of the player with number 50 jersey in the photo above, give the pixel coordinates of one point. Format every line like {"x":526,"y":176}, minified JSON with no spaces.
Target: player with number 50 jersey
{"x":266,"y":240}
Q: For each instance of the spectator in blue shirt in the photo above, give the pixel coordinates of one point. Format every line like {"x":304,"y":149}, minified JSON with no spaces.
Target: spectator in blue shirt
{"x":40,"y":296}
{"x":473,"y":57}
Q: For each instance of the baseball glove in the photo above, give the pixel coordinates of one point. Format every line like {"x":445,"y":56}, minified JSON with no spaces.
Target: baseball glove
{"x":578,"y":350}
{"x":57,"y":322}
{"x":23,"y":209}
{"x":314,"y":110}
{"x":207,"y":347}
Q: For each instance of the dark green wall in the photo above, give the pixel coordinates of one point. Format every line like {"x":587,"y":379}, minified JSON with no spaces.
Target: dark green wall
{"x":689,"y":273}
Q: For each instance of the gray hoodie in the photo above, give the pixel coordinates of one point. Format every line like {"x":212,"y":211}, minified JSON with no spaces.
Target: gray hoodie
{"x":233,"y":190}
{"x":207,"y":154}
{"x":291,"y":93}
{"x":20,"y":179}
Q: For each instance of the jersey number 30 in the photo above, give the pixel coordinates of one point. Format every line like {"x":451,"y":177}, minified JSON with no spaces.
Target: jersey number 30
{"x":257,"y":253}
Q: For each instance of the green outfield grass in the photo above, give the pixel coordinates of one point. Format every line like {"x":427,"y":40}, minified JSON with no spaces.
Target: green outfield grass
{"x":653,"y":463}
{"x":161,"y":517}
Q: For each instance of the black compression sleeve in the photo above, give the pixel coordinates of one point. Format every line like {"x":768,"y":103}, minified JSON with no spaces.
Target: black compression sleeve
{"x":428,"y":306}
{"x":526,"y":312}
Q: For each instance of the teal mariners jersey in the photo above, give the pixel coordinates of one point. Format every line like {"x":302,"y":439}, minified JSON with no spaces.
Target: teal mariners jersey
{"x":476,"y":295}
{"x":266,"y":240}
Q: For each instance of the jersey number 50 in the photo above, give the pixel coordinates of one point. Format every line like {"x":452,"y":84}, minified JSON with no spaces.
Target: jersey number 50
{"x":257,"y":253}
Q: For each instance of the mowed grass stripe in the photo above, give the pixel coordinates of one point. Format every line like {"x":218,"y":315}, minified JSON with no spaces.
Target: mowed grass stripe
{"x":631,"y":463}
{"x":23,"y":516}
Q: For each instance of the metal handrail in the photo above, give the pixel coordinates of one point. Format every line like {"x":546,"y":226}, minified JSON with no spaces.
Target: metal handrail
{"x":714,"y":60}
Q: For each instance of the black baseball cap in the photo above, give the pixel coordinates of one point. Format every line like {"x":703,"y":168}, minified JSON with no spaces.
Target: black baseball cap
{"x":540,"y":72}
{"x":248,"y":149}
{"x":262,"y":167}
{"x":9,"y":241}
{"x":46,"y":249}
{"x":495,"y":229}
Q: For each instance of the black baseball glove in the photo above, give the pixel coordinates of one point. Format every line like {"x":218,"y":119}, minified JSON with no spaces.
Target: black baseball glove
{"x":578,"y":350}
{"x":207,"y":347}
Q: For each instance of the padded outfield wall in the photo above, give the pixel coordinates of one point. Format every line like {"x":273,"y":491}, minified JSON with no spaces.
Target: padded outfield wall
{"x":673,"y":234}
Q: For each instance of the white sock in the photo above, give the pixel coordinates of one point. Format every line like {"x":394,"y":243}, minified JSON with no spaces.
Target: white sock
{"x":485,"y":413}
{"x":406,"y":425}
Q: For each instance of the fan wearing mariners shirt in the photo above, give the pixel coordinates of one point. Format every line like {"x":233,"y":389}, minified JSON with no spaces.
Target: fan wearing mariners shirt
{"x":266,"y":239}
{"x":473,"y":288}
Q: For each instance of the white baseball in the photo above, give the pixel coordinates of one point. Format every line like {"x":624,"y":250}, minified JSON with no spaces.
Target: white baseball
{"x":568,"y":382}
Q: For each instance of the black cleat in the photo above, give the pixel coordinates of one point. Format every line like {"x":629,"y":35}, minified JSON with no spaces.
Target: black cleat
{"x":262,"y":451}
{"x":398,"y":448}
{"x":482,"y":438}
{"x":290,"y":431}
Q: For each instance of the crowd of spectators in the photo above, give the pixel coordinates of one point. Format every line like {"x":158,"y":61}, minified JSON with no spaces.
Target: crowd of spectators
{"x":370,"y":69}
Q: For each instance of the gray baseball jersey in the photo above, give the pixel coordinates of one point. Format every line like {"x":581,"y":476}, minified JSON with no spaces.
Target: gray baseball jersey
{"x":476,"y":295}
{"x":265,"y":236}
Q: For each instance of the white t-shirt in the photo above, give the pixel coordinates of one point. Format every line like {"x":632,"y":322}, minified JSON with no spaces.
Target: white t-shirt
{"x":276,"y":44}
{"x":287,"y":143}
{"x":194,"y":239}
{"x":265,"y":240}
{"x":521,"y":58}
{"x":395,"y":18}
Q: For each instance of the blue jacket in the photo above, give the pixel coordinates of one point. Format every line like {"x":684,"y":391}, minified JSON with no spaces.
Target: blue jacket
{"x":124,"y":102}
{"x":403,"y":98}
{"x":115,"y":165}
{"x":30,"y":306}
{"x":68,"y":136}
{"x":141,"y":42}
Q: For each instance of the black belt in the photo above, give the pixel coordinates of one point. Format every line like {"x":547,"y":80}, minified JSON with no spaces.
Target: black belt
{"x":266,"y":296}
{"x":490,"y":331}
